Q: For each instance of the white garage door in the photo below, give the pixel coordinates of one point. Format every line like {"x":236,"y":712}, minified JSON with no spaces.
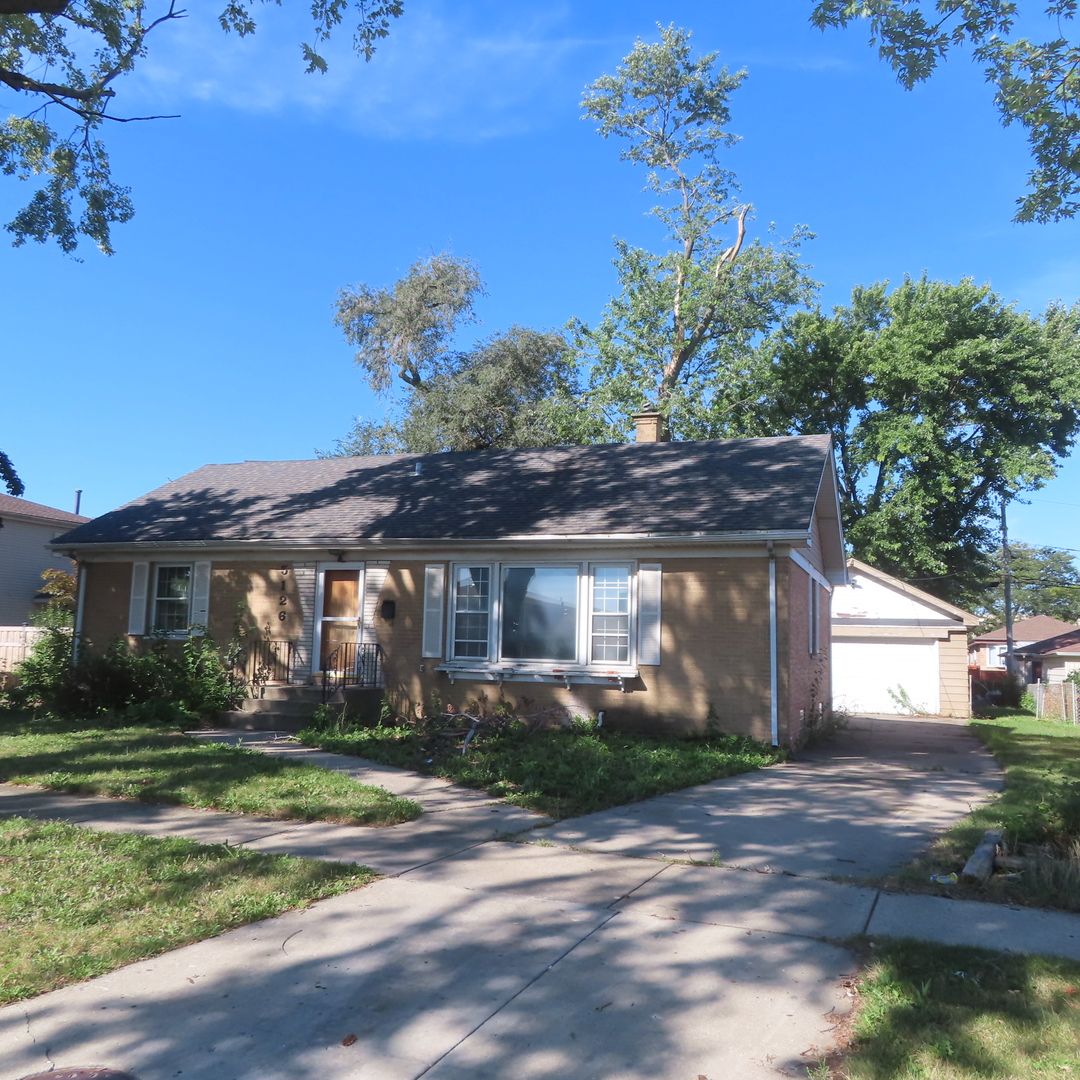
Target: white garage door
{"x":863,"y":673}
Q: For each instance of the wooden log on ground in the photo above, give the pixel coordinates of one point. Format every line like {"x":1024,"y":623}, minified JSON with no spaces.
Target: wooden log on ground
{"x":981,"y":864}
{"x":1012,"y":862}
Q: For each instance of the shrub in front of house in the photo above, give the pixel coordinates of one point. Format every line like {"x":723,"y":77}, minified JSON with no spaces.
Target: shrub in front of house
{"x":162,"y":685}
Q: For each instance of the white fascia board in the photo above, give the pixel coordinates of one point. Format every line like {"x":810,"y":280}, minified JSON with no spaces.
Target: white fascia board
{"x":589,"y":540}
{"x":837,"y":575}
{"x":816,"y":574}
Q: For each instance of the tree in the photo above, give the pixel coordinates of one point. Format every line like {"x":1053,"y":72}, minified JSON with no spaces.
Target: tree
{"x":85,"y":46}
{"x":685,"y":317}
{"x":1037,"y":84}
{"x":1045,"y":581}
{"x":9,"y":476}
{"x":518,"y":388}
{"x":940,"y":398}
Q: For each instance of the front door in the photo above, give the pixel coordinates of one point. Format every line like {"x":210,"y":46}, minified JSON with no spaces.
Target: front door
{"x":339,"y":615}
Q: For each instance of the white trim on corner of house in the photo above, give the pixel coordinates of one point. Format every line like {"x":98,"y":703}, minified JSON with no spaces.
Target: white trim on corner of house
{"x":816,"y":574}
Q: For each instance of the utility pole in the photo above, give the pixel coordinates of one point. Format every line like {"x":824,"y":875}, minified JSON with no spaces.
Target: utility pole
{"x":1006,"y":563}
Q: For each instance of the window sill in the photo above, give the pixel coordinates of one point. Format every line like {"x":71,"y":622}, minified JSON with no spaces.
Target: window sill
{"x":536,"y":673}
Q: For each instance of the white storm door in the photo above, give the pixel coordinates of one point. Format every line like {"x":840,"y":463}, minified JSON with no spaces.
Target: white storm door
{"x":339,"y":612}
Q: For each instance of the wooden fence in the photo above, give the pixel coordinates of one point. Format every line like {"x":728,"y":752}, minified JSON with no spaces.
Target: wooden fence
{"x":15,"y":643}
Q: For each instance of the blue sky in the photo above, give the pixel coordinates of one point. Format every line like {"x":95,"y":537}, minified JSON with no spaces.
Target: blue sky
{"x":208,"y":336}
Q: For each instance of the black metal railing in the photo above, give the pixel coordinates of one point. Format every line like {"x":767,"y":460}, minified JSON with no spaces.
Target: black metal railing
{"x":353,"y":664}
{"x":269,"y":661}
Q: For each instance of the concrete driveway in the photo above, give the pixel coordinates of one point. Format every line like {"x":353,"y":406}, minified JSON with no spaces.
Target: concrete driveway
{"x":860,"y":805}
{"x":532,"y":961}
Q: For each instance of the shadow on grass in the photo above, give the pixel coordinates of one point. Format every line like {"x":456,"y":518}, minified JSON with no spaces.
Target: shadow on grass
{"x":155,"y":766}
{"x":939,"y":1011}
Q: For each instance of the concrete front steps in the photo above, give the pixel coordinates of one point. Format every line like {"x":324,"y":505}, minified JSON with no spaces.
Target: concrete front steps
{"x":290,"y":708}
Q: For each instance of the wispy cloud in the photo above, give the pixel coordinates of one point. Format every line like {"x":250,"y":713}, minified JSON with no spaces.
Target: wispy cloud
{"x":1059,"y":281}
{"x":441,"y":73}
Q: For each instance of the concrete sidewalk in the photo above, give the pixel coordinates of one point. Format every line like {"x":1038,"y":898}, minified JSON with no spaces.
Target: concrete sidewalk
{"x":533,"y":959}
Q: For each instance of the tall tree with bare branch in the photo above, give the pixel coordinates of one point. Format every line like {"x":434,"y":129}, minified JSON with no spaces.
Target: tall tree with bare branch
{"x":685,"y":318}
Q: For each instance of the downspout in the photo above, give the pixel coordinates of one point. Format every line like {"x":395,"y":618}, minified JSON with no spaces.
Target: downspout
{"x":774,"y":715}
{"x":80,"y":571}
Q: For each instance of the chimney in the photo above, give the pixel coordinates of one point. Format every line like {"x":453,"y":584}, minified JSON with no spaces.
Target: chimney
{"x":650,"y":427}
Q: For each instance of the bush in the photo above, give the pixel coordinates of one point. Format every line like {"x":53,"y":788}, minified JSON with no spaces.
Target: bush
{"x":158,"y":686}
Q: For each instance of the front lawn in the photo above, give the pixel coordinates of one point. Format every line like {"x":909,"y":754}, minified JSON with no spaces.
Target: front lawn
{"x":1039,"y":811}
{"x":75,"y":904}
{"x":159,"y":766}
{"x":559,"y":772}
{"x":936,"y":1012}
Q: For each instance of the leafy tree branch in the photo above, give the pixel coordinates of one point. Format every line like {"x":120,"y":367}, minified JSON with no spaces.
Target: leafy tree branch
{"x":1037,"y":83}
{"x":85,"y":46}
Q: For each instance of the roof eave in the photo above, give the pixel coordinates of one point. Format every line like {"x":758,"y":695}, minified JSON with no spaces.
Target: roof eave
{"x":794,"y":536}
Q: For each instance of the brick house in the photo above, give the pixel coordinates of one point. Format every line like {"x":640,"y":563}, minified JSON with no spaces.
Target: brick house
{"x":661,"y":583}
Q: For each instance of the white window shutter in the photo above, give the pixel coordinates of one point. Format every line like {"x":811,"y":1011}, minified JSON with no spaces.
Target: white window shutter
{"x":434,"y":585}
{"x":140,"y":578}
{"x":649,"y":614}
{"x":200,"y":598}
{"x":374,"y":579}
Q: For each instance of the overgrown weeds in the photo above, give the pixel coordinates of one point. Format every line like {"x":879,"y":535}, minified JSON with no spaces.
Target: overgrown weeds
{"x":75,"y":904}
{"x":562,"y":771}
{"x":149,"y":764}
{"x":171,"y":679}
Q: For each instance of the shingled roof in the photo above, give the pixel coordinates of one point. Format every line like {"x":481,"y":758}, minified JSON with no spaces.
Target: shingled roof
{"x":47,"y":515}
{"x":657,"y":489}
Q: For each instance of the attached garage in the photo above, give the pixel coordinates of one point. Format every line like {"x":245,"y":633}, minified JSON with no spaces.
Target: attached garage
{"x":897,"y":649}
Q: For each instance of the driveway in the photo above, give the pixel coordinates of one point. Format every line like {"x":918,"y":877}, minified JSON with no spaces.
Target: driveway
{"x":533,"y":961}
{"x":858,"y":806}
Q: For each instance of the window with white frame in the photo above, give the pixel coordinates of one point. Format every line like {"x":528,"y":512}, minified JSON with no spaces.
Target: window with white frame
{"x":543,"y":613}
{"x":171,"y":600}
{"x":814,"y":615}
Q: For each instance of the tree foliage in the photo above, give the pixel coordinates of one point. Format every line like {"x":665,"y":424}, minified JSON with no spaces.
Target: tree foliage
{"x":517,"y":388}
{"x":684,"y":317}
{"x":940,"y":398}
{"x":84,"y":46}
{"x":1045,"y":581}
{"x":9,"y":476}
{"x":1036,"y":83}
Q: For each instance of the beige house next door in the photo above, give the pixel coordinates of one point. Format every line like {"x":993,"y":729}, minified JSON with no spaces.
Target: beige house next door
{"x":341,"y":588}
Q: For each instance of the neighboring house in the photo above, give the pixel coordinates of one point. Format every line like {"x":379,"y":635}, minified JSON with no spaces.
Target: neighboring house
{"x":27,"y":530}
{"x":664,"y":584}
{"x":897,"y":649}
{"x":987,"y":651}
{"x":1053,"y":659}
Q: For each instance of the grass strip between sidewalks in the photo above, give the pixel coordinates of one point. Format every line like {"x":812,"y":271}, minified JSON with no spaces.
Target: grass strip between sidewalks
{"x":937,"y":1012}
{"x":75,"y":903}
{"x":1040,"y":806}
{"x":559,"y":772}
{"x":159,"y":766}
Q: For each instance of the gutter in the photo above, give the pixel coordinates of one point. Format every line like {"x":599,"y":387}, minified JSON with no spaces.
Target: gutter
{"x":774,"y":714}
{"x":80,"y":599}
{"x":358,"y":543}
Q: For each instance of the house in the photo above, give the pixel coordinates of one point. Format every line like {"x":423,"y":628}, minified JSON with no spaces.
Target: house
{"x":1055,"y":658}
{"x":27,"y":529}
{"x":897,"y":649}
{"x":986,"y":653}
{"x":661,"y":584}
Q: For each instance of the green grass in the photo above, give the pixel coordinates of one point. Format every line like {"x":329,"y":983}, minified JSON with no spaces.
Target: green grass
{"x":936,"y":1012}
{"x":562,"y":773}
{"x":75,"y":904}
{"x":1039,"y":806}
{"x":159,"y":766}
